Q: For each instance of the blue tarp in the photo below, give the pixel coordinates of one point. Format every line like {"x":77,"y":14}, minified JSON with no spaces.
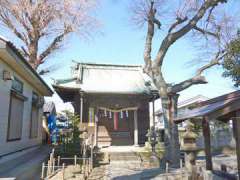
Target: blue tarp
{"x":52,"y":128}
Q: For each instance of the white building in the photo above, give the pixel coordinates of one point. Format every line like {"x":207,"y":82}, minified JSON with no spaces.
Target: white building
{"x":21,"y":100}
{"x":183,"y":107}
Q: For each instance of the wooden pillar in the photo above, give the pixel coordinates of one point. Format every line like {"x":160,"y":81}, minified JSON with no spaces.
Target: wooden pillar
{"x":207,"y":143}
{"x":135,"y":128}
{"x":153,"y":114}
{"x":236,"y":130}
{"x":81,"y":108}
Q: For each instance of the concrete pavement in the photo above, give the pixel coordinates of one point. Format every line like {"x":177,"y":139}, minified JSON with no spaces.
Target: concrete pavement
{"x":26,"y":166}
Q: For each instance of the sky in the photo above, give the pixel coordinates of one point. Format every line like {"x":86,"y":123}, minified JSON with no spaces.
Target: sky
{"x":119,"y":42}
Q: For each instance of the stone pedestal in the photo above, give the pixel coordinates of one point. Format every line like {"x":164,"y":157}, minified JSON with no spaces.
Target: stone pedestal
{"x":190,"y":160}
{"x":154,"y":161}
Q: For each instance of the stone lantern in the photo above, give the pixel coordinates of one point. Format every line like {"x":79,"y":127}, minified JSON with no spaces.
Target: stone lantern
{"x":189,"y":147}
{"x":84,"y":137}
{"x":152,"y":140}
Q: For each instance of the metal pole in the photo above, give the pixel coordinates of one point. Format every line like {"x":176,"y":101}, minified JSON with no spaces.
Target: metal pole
{"x":53,"y":168}
{"x":167,"y":167}
{"x":91,"y":151}
{"x":75,"y":160}
{"x":51,"y":163}
{"x":96,"y":131}
{"x":63,"y":169}
{"x":43,"y":167}
{"x":48,"y":168}
{"x":58,"y":161}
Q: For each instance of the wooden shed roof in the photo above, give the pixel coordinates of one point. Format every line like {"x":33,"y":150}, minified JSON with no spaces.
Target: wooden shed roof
{"x":213,"y":108}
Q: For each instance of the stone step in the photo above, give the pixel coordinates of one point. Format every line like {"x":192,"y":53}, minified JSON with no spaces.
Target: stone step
{"x":105,"y":140}
{"x":104,"y":137}
{"x":104,"y":144}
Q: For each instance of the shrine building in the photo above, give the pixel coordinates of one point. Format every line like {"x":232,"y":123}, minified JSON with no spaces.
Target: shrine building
{"x":112,"y":101}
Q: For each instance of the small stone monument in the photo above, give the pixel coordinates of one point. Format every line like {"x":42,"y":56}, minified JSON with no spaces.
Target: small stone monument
{"x":189,"y":147}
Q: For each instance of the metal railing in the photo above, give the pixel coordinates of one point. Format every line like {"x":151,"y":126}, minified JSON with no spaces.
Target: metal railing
{"x":55,"y":164}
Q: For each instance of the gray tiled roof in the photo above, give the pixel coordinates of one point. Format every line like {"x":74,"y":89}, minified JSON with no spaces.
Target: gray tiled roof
{"x":49,"y":107}
{"x":106,"y":78}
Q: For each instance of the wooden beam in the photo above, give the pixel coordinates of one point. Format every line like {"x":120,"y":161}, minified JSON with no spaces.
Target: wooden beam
{"x":236,"y":130}
{"x":207,"y":143}
{"x":81,"y":108}
{"x":228,"y":108}
{"x":153,"y":114}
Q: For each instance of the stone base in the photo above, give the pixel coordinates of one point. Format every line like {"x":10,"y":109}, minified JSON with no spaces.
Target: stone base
{"x":154,"y":161}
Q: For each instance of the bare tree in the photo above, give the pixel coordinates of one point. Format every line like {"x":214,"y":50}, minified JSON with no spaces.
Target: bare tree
{"x":42,"y":25}
{"x":200,"y":18}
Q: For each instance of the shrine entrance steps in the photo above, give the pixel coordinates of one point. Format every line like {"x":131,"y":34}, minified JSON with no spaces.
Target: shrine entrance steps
{"x":104,"y":138}
{"x":130,"y":160}
{"x":122,"y":149}
{"x":117,"y":138}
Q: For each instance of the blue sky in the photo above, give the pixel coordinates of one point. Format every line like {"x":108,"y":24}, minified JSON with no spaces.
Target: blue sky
{"x":122,"y":43}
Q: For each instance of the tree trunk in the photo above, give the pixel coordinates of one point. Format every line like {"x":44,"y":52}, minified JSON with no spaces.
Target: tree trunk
{"x":172,"y":146}
{"x":33,"y":49}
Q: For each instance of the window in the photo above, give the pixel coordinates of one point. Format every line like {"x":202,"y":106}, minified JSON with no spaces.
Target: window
{"x":34,"y":116}
{"x":17,"y":85}
{"x":15,"y":117}
{"x":91,"y":116}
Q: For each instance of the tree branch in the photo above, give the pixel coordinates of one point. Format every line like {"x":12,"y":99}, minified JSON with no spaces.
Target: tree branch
{"x":172,"y":37}
{"x":148,"y":44}
{"x":186,"y":84}
{"x":7,"y":21}
{"x":215,"y":61}
{"x":53,"y":46}
{"x":179,"y":20}
{"x":198,"y":78}
{"x":205,"y":32}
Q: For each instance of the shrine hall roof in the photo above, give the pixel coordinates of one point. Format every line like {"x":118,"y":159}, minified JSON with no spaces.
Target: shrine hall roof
{"x":107,"y":78}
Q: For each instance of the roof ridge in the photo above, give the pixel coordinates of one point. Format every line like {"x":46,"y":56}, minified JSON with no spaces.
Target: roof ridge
{"x":192,"y":98}
{"x":106,"y":64}
{"x":16,"y":51}
{"x":226,"y":96}
{"x":4,"y":38}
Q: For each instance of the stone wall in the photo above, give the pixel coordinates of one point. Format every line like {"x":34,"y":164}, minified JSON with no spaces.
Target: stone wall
{"x":219,"y":139}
